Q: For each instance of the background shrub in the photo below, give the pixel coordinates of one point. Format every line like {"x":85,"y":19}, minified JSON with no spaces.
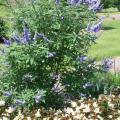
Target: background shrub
{"x":3,"y":30}
{"x":111,"y":3}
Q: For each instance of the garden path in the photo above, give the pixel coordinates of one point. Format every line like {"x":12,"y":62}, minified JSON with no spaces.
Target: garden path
{"x":116,"y":65}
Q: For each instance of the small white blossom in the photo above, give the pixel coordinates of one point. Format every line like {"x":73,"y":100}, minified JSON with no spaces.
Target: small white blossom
{"x":2,"y":103}
{"x":10,"y":109}
{"x":5,"y":118}
{"x":110,"y":116}
{"x":86,"y":109}
{"x":97,"y":110}
{"x":82,"y":106}
{"x":95,"y":104}
{"x":73,"y":104}
{"x":70,"y":111}
{"x":38,"y":115}
{"x":98,"y":116}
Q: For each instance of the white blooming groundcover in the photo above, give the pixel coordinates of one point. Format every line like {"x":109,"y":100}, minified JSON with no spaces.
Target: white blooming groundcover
{"x":106,"y":107}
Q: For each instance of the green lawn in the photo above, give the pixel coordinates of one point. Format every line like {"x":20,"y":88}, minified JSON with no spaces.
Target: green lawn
{"x":108,"y":44}
{"x":3,"y":11}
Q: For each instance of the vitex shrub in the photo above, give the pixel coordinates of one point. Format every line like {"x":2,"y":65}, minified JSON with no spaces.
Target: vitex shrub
{"x":47,"y":61}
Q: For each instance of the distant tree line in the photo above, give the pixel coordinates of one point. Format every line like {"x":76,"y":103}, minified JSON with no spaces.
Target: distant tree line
{"x":111,"y":3}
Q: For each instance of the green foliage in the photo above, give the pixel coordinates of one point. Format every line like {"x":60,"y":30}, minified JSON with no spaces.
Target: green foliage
{"x":3,"y":28}
{"x":2,"y":2}
{"x":105,"y":82}
{"x":48,"y":70}
{"x":108,"y":3}
{"x":111,"y":3}
{"x":117,"y":4}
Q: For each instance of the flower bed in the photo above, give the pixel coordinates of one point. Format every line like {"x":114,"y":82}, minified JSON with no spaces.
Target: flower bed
{"x":106,"y":107}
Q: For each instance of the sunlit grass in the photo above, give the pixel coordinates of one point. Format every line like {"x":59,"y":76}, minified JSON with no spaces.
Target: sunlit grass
{"x":4,"y":11}
{"x":108,"y":44}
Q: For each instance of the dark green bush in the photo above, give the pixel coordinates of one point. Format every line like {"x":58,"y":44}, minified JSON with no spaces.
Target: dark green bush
{"x":3,"y":28}
{"x":107,"y":3}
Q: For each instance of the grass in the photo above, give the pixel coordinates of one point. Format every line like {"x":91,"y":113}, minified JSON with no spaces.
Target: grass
{"x":3,"y":11}
{"x":110,"y":10}
{"x":108,"y":44}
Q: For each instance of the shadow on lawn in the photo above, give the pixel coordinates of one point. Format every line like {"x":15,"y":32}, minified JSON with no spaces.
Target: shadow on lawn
{"x":107,"y":28}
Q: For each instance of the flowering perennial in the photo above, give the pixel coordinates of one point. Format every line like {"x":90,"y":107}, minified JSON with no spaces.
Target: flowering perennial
{"x":26,"y":39}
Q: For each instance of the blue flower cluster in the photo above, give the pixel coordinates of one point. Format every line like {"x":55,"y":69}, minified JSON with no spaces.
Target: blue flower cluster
{"x":95,"y":27}
{"x":9,"y":94}
{"x":40,"y":96}
{"x":107,"y":64}
{"x":82,"y":58}
{"x":92,"y":4}
{"x":88,"y":85}
{"x":26,"y":38}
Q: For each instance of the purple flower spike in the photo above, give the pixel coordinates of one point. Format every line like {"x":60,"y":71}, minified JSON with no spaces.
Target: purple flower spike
{"x":75,"y":2}
{"x":62,"y":18}
{"x":107,"y":64}
{"x":26,"y":35}
{"x":57,"y":1}
{"x":51,"y":54}
{"x":41,"y":36}
{"x":55,"y":76}
{"x":46,"y":39}
{"x":19,"y":102}
{"x":94,"y":5}
{"x":94,"y":28}
{"x":88,"y":85}
{"x":8,"y":93}
{"x":82,"y":58}
{"x":7,"y":42}
{"x":40,"y":96}
{"x":16,"y":38}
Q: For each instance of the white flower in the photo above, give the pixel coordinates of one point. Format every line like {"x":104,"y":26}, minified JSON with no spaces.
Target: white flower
{"x":55,"y":118}
{"x":5,"y":118}
{"x":73,"y":104}
{"x":17,"y":118}
{"x":70,"y":111}
{"x":77,"y":110}
{"x":6,"y":114}
{"x":10,"y":110}
{"x":98,"y":116}
{"x":78,"y":117}
{"x":2,"y":103}
{"x":82,"y":106}
{"x":110,"y":116}
{"x":118,"y":118}
{"x":97,"y":110}
{"x":58,"y":112}
{"x":86,"y":109}
{"x":28,"y":118}
{"x":111,"y":105}
{"x":37,"y":115}
{"x":95,"y":104}
{"x":113,"y":96}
